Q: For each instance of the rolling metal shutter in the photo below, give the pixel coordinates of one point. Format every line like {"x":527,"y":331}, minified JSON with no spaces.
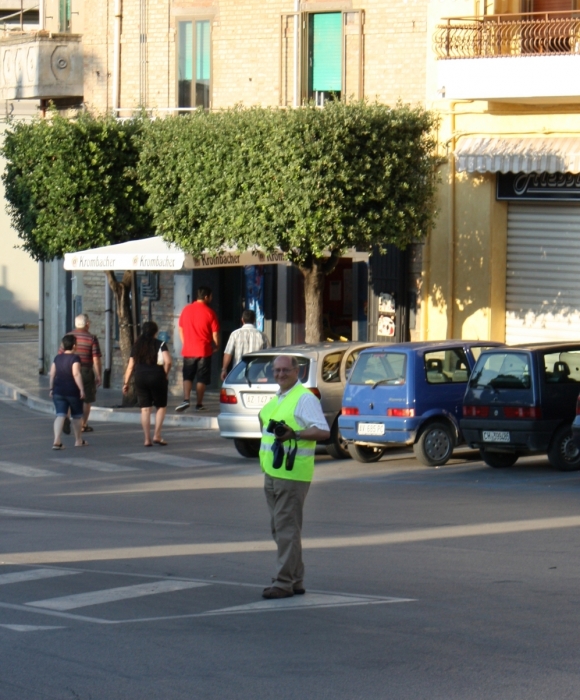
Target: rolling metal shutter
{"x":543,"y":272}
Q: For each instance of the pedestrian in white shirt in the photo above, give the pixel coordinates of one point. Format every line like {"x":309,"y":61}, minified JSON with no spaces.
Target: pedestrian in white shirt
{"x":246,"y":339}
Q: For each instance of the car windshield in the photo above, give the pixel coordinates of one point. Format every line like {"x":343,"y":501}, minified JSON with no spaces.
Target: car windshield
{"x":380,"y":368}
{"x":502,"y":370}
{"x":258,"y":369}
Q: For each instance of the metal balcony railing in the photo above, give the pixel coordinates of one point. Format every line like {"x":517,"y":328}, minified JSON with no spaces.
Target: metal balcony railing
{"x":525,"y":34}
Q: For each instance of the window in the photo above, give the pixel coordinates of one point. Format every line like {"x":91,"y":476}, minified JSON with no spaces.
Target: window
{"x":331,"y":367}
{"x":194,"y":64}
{"x":445,"y":366}
{"x":64,"y":15}
{"x":562,"y":367}
{"x":322,"y":55}
{"x":380,"y":368}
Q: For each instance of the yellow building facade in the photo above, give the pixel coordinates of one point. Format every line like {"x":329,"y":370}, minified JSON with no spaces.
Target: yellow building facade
{"x":501,"y":261}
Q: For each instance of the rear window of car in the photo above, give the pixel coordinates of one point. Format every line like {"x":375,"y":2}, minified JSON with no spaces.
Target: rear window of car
{"x":259,"y":369}
{"x":502,"y":370}
{"x":383,"y":367}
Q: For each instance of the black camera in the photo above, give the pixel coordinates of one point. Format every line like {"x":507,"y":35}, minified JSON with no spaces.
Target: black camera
{"x":277,"y":427}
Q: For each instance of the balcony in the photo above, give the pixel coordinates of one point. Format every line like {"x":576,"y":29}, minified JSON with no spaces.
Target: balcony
{"x":40,"y":65}
{"x":530,"y":58}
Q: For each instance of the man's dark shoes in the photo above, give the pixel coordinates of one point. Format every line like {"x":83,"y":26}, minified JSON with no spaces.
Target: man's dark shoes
{"x":273,"y":592}
{"x":183,"y":406}
{"x":299,"y":591}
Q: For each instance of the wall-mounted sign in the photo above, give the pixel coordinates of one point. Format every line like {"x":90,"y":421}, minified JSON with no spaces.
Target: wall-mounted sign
{"x":563,"y":187}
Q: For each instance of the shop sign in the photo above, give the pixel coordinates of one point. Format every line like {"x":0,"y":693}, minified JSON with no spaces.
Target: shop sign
{"x":562,"y":187}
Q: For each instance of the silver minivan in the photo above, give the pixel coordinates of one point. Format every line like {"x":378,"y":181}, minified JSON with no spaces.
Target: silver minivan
{"x":324,"y":368}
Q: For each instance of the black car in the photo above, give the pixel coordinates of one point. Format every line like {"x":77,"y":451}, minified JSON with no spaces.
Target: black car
{"x":521,"y":400}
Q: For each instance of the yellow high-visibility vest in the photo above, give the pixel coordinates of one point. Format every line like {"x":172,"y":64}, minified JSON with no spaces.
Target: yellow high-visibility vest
{"x":284,"y":410}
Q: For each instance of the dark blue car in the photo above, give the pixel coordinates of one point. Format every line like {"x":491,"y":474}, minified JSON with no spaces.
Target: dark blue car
{"x":521,"y":400}
{"x":408,"y":394}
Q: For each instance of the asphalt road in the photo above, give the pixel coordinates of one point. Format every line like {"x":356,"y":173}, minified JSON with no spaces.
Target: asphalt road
{"x":135,"y":574}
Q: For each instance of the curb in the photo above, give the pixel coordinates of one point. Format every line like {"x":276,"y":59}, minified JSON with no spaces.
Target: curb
{"x":100,"y":414}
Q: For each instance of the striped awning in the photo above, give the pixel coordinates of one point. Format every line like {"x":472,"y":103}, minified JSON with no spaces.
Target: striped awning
{"x":518,"y":155}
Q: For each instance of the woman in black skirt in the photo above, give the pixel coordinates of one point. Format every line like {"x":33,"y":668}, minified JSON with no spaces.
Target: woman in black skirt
{"x":150,"y":362}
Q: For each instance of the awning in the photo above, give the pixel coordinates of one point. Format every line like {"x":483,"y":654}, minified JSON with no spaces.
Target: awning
{"x":518,"y":155}
{"x":155,"y":254}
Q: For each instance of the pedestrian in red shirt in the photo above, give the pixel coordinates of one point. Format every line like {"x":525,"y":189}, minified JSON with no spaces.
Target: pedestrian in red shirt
{"x":199,"y":332}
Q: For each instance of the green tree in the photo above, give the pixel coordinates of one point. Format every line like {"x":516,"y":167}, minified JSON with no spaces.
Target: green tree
{"x":72,"y":185}
{"x":311,"y":182}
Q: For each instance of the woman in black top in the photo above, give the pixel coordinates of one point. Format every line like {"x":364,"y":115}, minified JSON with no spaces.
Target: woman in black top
{"x":150,"y":362}
{"x":67,"y":391}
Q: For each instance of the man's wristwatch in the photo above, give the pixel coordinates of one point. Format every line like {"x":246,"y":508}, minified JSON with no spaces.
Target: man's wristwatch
{"x":297,"y":434}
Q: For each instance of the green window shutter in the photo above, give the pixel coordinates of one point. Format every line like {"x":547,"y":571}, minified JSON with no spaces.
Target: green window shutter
{"x":327,"y":52}
{"x":202,"y":50}
{"x":185,"y":59}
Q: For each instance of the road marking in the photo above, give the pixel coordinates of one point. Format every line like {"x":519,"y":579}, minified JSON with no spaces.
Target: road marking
{"x":94,"y":464}
{"x":20,"y":470}
{"x":34,"y":575}
{"x":22,"y":512}
{"x":163,"y":459}
{"x":32,"y":628}
{"x":110,"y":595}
{"x":310,"y":600}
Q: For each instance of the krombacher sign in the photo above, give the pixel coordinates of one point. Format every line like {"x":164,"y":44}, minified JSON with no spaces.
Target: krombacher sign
{"x":561,"y":187}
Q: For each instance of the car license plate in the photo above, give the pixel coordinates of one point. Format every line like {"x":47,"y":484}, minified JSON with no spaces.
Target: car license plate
{"x":256,"y":400}
{"x":496,"y":436}
{"x":371,"y":429}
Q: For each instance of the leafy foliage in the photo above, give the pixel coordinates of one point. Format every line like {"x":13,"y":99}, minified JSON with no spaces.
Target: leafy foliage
{"x":306,"y":180}
{"x":72,"y":185}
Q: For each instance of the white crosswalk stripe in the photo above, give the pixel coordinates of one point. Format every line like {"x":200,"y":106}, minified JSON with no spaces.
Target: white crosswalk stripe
{"x":94,"y":464}
{"x":110,"y":595}
{"x":33,"y":575}
{"x":163,"y":459}
{"x":27,"y":472}
{"x":31,"y":628}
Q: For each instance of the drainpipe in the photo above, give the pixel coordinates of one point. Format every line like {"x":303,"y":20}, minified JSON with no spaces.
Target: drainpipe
{"x":452,"y":227}
{"x":108,"y":335}
{"x":117,"y":57}
{"x":41,"y":14}
{"x":41,"y":318}
{"x":297,"y":29}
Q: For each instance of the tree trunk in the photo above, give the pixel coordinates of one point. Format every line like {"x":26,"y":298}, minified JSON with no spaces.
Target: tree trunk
{"x":315,"y":271}
{"x":314,"y":279}
{"x":122,"y":293}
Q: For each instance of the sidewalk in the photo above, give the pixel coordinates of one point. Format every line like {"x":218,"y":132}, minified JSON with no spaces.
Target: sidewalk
{"x":20,"y":381}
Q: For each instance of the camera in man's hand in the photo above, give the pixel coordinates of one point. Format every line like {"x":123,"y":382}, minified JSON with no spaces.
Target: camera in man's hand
{"x":277,"y":427}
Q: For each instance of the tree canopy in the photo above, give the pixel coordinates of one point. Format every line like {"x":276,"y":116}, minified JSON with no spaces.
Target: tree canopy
{"x":306,"y":180}
{"x":72,"y":184}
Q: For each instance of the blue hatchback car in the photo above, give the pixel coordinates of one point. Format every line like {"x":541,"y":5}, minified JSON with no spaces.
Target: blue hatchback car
{"x":408,"y":394}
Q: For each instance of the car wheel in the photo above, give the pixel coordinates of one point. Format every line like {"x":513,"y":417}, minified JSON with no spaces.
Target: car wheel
{"x":563,"y":453}
{"x":249,"y":448}
{"x":435,"y":445}
{"x":362,"y":453}
{"x":499,"y":460}
{"x":337,"y":447}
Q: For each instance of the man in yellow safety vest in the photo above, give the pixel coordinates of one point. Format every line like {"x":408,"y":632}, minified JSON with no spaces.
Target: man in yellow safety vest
{"x":292,"y":422}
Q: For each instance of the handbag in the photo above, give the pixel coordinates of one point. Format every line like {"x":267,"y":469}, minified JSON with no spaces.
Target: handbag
{"x":160,"y":355}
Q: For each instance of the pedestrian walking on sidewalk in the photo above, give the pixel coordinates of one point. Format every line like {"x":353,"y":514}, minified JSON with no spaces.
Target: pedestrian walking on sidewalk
{"x":199,"y":332}
{"x":67,"y":391}
{"x":89,"y":351}
{"x":292,"y":422}
{"x":245,"y":339}
{"x":150,"y":362}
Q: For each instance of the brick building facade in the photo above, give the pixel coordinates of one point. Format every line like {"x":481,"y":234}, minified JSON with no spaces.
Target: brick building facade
{"x":170,"y":55}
